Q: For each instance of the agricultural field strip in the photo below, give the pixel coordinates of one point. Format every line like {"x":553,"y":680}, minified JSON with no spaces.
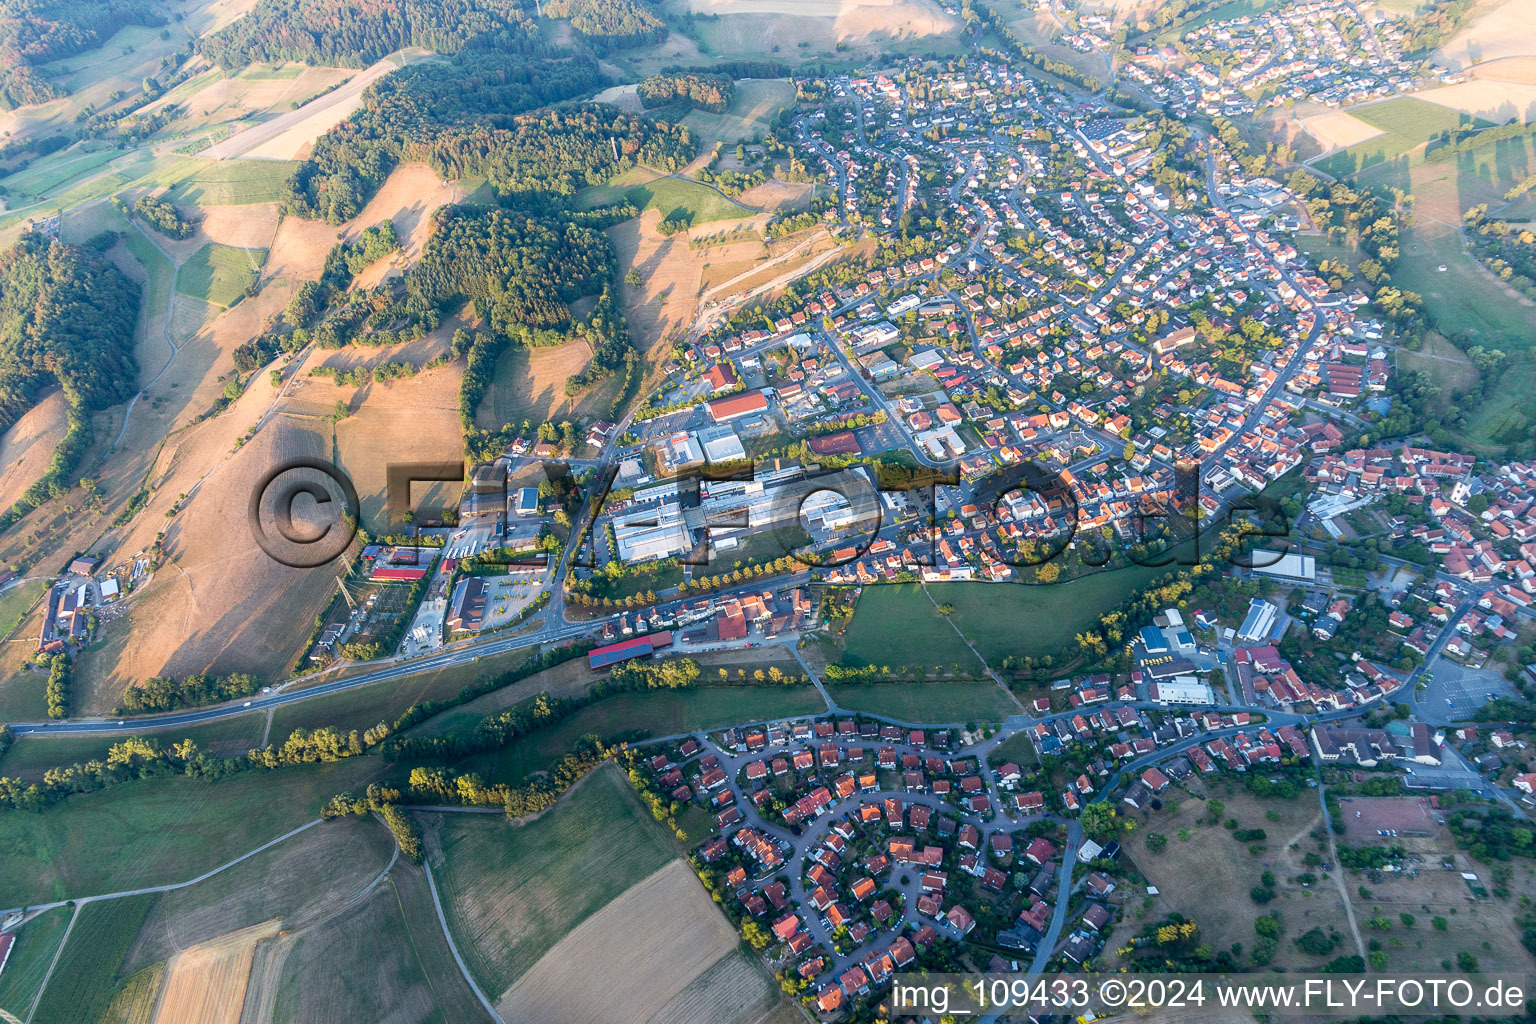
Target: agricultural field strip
{"x":453,"y":947}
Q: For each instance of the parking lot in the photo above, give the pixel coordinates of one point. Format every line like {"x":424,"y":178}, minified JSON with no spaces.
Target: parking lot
{"x":1458,"y":691}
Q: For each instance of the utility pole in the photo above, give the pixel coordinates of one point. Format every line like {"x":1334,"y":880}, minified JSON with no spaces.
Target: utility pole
{"x":342,"y":586}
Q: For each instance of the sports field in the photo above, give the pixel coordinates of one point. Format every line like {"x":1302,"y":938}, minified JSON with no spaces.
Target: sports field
{"x":1405,"y":124}
{"x":220,"y":274}
{"x":510,"y":893}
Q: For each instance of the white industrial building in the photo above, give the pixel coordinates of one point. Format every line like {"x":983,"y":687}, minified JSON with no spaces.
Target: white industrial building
{"x":1285,"y":565}
{"x":1181,"y":690}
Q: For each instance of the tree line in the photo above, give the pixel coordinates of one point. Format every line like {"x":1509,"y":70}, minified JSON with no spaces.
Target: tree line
{"x":165,"y":693}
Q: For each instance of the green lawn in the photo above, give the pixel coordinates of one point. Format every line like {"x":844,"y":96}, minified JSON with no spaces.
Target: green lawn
{"x":657,"y":712}
{"x":226,"y":183}
{"x":85,"y":978}
{"x":32,"y":754}
{"x":16,"y":602}
{"x":753,"y":108}
{"x":35,"y":945}
{"x":927,"y":702}
{"x":897,"y":625}
{"x":220,"y":274}
{"x":1405,"y":123}
{"x":510,"y":893}
{"x":672,"y":196}
{"x":57,"y":170}
{"x":156,"y":831}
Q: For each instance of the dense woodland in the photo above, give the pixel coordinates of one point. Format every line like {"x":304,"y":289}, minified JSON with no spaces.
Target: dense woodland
{"x":706,"y":92}
{"x":67,"y":318}
{"x":360,"y":32}
{"x":610,"y":24}
{"x":34,"y":32}
{"x":407,"y":114}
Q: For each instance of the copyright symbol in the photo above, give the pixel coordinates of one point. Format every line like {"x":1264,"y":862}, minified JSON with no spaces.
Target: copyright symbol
{"x":1112,"y":992}
{"x":303,"y":512}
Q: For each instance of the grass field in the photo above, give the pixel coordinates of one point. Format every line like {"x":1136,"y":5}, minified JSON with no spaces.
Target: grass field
{"x":1445,"y":364}
{"x":510,"y":893}
{"x":1406,"y":124}
{"x":658,"y":712}
{"x":901,"y":625}
{"x":1465,"y":299}
{"x":32,"y":754}
{"x":156,"y":831}
{"x":86,"y":976}
{"x":673,"y":197}
{"x":17,"y":601}
{"x":220,"y":274}
{"x":1505,"y":415}
{"x":897,"y":625}
{"x":927,"y":702}
{"x":227,"y":182}
{"x":35,"y":945}
{"x":300,"y":881}
{"x":1018,"y":748}
{"x":358,"y":966}
{"x":1207,"y":876}
{"x":752,"y":111}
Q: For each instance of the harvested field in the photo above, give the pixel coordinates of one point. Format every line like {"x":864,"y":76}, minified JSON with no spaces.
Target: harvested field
{"x":134,"y":1002}
{"x":778,"y":195}
{"x":27,"y":448}
{"x":1494,"y":101}
{"x":685,"y":936}
{"x":1338,"y":129}
{"x":205,"y":984}
{"x":283,"y":137}
{"x":733,"y":991}
{"x":511,"y":893}
{"x":756,"y":26}
{"x":298,"y":882}
{"x":624,"y":97}
{"x":1520,"y":70}
{"x":409,"y":197}
{"x":1504,"y":31}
